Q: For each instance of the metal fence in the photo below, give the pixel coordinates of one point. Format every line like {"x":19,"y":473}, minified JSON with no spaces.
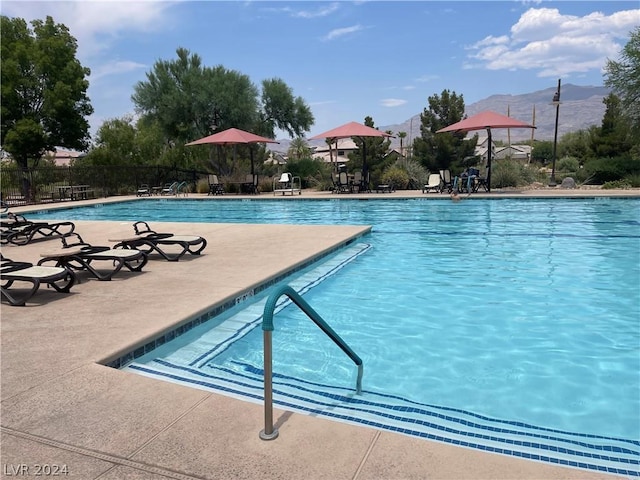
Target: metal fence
{"x":52,"y":184}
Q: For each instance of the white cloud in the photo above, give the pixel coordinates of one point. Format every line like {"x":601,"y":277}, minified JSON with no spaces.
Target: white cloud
{"x":340,"y":32}
{"x":426,"y":78}
{"x":554,"y":44}
{"x":392,"y":102}
{"x":320,"y":12}
{"x":321,"y":102}
{"x":115,"y":68}
{"x":94,"y":23}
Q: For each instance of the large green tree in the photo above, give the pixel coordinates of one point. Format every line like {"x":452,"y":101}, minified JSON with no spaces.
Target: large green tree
{"x":613,"y":138}
{"x":189,"y":100}
{"x":281,"y":109}
{"x":439,"y":150}
{"x":44,"y":92}
{"x":624,"y":78}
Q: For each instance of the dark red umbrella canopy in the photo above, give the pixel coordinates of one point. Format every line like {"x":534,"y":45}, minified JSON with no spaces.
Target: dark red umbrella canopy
{"x":485,"y":120}
{"x":233,"y":136}
{"x":351,"y":129}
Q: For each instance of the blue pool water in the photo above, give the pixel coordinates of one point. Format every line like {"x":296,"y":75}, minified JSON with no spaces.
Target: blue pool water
{"x":522,"y":311}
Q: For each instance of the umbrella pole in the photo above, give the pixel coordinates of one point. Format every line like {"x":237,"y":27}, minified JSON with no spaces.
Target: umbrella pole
{"x":365,"y":170}
{"x":251,"y":156}
{"x":489,"y":161}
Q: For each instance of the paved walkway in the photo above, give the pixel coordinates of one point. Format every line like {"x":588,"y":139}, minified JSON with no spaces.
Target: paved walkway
{"x":63,"y":412}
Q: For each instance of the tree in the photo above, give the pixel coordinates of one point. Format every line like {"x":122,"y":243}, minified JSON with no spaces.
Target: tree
{"x":402,"y":136}
{"x":375,"y":150}
{"x":299,"y":149}
{"x":542,"y":151}
{"x":613,"y":138}
{"x":575,"y":144}
{"x":439,"y":151}
{"x":280,"y":109}
{"x":624,"y":78}
{"x":189,"y":100}
{"x":44,"y":92}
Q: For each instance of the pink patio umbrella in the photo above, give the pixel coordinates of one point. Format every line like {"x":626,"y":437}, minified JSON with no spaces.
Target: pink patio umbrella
{"x":233,"y":136}
{"x":353,"y":129}
{"x":485,"y":120}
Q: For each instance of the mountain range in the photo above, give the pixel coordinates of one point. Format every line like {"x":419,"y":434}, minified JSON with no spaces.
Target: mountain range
{"x":580,"y":108}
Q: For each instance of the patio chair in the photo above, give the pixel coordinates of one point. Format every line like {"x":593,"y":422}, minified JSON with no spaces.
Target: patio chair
{"x":335,"y":183}
{"x":480,"y":181}
{"x":447,"y":183}
{"x":357,"y":181}
{"x":20,"y":231}
{"x":144,"y":190}
{"x":150,"y":241}
{"x":76,"y":254}
{"x":433,"y":184}
{"x":15,"y":273}
{"x":466,"y":182}
{"x":215,"y":187}
{"x":250,"y":184}
{"x":344,"y":186}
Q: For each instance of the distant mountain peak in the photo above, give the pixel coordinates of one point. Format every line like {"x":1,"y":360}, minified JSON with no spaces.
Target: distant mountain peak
{"x":580,"y":108}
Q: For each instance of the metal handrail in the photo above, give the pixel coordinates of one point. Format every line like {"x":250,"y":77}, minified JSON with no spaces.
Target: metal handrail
{"x":181,"y":185}
{"x":269,"y":432}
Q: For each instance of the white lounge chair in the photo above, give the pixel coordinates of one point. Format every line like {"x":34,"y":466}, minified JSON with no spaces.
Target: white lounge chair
{"x":433,"y":184}
{"x":61,"y":279}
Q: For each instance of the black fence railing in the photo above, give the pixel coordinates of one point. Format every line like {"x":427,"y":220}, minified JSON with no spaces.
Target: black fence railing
{"x":54,"y":184}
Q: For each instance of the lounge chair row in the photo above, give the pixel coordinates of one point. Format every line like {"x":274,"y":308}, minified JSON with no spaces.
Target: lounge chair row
{"x":17,"y":230}
{"x":58,"y":269}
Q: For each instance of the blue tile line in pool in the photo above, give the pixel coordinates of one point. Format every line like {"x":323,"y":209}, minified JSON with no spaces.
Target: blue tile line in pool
{"x":252,"y":316}
{"x":350,"y":252}
{"x":453,"y":426}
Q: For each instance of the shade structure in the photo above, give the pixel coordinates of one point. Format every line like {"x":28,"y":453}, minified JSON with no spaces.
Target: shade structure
{"x":233,"y":136}
{"x":486,"y":120}
{"x":353,"y":129}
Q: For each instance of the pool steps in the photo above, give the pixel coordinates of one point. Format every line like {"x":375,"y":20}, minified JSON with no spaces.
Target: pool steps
{"x":375,"y":409}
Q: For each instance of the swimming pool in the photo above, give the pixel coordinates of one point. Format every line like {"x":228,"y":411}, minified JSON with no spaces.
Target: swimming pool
{"x":514,"y":314}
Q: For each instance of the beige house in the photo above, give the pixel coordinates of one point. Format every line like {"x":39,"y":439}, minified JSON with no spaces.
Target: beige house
{"x":62,"y":157}
{"x":344,"y":147}
{"x":515,"y":152}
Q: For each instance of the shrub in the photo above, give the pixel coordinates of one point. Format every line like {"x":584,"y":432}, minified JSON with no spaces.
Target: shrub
{"x":616,"y":184}
{"x":418,"y":175}
{"x":633,"y":180}
{"x":202,"y":186}
{"x":265,"y":184}
{"x":397,"y":177}
{"x":568,"y":164}
{"x":604,"y":170}
{"x":505,"y":174}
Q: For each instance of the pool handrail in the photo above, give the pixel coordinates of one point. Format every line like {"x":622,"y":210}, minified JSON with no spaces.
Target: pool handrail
{"x":183,"y":186}
{"x":269,"y":432}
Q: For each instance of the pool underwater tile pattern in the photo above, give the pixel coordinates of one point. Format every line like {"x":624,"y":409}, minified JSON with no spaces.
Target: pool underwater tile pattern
{"x":393,"y":413}
{"x":189,"y":325}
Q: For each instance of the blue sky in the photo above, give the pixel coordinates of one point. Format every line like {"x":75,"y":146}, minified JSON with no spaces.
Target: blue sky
{"x":347,"y":60}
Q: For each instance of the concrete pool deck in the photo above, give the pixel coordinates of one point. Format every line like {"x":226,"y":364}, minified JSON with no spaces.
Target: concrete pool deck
{"x":60,"y":406}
